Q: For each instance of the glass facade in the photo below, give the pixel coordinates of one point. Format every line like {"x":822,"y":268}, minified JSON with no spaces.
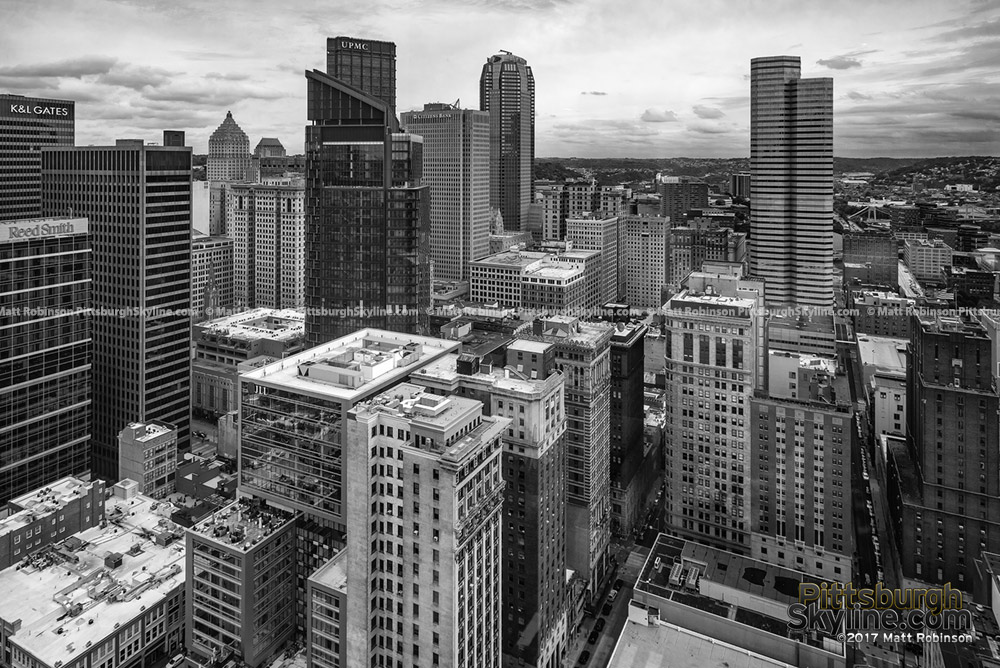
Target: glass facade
{"x":367,"y":65}
{"x":27,"y":124}
{"x":45,"y":362}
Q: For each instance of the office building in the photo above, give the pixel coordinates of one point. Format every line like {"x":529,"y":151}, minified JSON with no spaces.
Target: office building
{"x":424,"y":502}
{"x":365,"y":64}
{"x":457,"y":169}
{"x":679,"y":194}
{"x":703,"y":606}
{"x":506,"y":240}
{"x":314,"y":390}
{"x":27,"y":124}
{"x":525,"y":387}
{"x":110,"y":595}
{"x":643,"y":241}
{"x":552,"y":201}
{"x":269,"y":147}
{"x":881,"y":313}
{"x":326,"y":592}
{"x":803,"y":437}
{"x":267,"y":224}
{"x":227,"y":346}
{"x":583,"y":352}
{"x":507,"y":92}
{"x":211,"y":276}
{"x":599,"y":232}
{"x":927,"y":260}
{"x":940,"y":484}
{"x":45,"y":357}
{"x":739,"y":185}
{"x":791,"y":167}
{"x":47,"y":515}
{"x":501,"y":278}
{"x":147,"y":454}
{"x":629,"y":483}
{"x":368,"y":233}
{"x":228,"y":153}
{"x":714,"y":330}
{"x":173,"y":138}
{"x":613,"y":200}
{"x":246,"y":614}
{"x":695,"y":242}
{"x":879,"y":249}
{"x":141,"y":263}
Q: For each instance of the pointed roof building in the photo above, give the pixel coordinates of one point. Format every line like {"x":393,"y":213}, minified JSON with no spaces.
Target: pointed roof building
{"x":228,"y":152}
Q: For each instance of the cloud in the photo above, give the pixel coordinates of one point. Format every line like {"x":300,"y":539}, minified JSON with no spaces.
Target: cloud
{"x":983,"y":29}
{"x":708,"y":128}
{"x":211,"y":94}
{"x":74,"y":68}
{"x":592,"y":92}
{"x":839,"y":62}
{"x":701,"y":111}
{"x":656,"y":116}
{"x":855,"y":95}
{"x":135,"y":77}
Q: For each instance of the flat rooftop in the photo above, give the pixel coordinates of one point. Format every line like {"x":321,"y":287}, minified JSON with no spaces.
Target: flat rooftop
{"x":565,"y":328}
{"x":260,"y":323}
{"x":354,"y":366}
{"x":72,"y":595}
{"x":446,"y":370}
{"x":333,"y":574}
{"x":43,"y":501}
{"x":747,"y":579}
{"x":554,"y":270}
{"x":511,"y":259}
{"x":663,"y":645}
{"x":883,"y":352}
{"x":149,"y":431}
{"x":241,"y":524}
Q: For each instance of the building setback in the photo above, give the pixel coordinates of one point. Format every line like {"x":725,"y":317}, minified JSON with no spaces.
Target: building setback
{"x":27,"y":124}
{"x":457,"y":168}
{"x":140,"y":232}
{"x":45,"y":359}
{"x":507,"y":92}
{"x":424,"y":513}
{"x":791,"y":182}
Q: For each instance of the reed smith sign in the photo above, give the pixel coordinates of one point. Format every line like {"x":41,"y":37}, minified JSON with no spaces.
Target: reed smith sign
{"x":40,"y":229}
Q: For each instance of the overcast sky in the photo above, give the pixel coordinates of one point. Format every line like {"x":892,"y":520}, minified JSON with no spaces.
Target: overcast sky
{"x":640,"y":78}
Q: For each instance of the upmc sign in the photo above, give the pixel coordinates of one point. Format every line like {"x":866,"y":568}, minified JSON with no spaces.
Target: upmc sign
{"x":357,"y":46}
{"x":39,"y":110}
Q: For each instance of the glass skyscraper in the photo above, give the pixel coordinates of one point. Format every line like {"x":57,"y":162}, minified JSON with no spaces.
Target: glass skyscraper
{"x":27,"y":124}
{"x":791,"y":184}
{"x":367,"y":216}
{"x":507,"y":91}
{"x":365,"y":64}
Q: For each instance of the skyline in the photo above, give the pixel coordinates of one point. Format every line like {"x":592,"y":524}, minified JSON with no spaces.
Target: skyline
{"x":906,"y":83}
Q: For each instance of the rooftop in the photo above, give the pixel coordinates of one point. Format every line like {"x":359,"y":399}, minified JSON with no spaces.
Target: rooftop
{"x":686,"y":570}
{"x":350,"y":367}
{"x":445,"y":369}
{"x":143,"y":432}
{"x":511,"y":259}
{"x":260,"y":323}
{"x":43,"y":501}
{"x":883,"y":352}
{"x":662,"y":644}
{"x":554,"y":270}
{"x":333,"y":574}
{"x":241,"y":524}
{"x":67,"y":597}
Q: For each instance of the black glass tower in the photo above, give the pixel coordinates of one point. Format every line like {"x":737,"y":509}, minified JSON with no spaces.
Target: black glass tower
{"x":367,"y":236}
{"x":365,"y":64}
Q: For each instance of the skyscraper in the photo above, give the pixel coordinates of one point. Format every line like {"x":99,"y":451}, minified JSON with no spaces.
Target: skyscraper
{"x":368,"y":65}
{"x":424,"y":516}
{"x":45,"y":360}
{"x":27,"y":124}
{"x":367,"y":216}
{"x":140,"y":230}
{"x":791,"y":182}
{"x":457,"y":169}
{"x":228,"y":152}
{"x":679,"y":194}
{"x":507,"y":91}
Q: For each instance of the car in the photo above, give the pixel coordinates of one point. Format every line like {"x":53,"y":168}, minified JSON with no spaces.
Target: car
{"x":599,"y":624}
{"x":592,"y":638}
{"x":612,"y":596}
{"x":606,"y":610}
{"x":175,"y":661}
{"x":619,"y":583}
{"x":584,"y":658}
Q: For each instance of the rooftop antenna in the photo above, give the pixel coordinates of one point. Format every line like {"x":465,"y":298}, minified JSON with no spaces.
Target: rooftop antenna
{"x":507,"y":52}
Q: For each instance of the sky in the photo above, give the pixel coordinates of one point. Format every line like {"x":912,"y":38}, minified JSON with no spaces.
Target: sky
{"x":613,"y":78}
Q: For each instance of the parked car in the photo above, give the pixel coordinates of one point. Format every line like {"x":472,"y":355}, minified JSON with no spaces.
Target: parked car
{"x":619,"y":583}
{"x":592,"y":638}
{"x":584,"y":658}
{"x":606,"y":610}
{"x":599,"y":624}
